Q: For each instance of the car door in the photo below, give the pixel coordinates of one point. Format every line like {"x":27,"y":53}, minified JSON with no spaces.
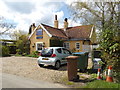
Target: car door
{"x":65,"y":54}
{"x":59,"y":53}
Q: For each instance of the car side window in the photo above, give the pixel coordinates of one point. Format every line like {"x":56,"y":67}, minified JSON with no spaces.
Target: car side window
{"x":59,"y":50}
{"x":65,"y":51}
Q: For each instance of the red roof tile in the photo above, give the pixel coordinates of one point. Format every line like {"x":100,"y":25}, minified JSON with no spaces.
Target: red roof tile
{"x":55,"y":32}
{"x":78,"y":32}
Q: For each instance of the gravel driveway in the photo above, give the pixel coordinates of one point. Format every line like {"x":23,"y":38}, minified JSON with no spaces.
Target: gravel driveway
{"x":28,"y":67}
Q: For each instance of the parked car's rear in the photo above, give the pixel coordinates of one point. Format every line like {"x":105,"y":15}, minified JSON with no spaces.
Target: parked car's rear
{"x":54,"y":56}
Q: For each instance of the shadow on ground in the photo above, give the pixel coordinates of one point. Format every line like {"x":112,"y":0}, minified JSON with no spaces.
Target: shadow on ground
{"x":62,"y":68}
{"x":85,"y":80}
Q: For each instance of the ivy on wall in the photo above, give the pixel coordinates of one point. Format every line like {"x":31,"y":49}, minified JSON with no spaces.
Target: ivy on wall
{"x":56,"y":42}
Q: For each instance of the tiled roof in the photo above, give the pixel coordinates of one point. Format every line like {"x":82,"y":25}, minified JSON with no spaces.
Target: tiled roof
{"x":77,"y":32}
{"x":55,"y":32}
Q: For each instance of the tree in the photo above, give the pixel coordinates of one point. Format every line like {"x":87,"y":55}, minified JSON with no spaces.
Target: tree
{"x":5,"y":26}
{"x":22,"y":45}
{"x":96,"y":13}
{"x":106,"y":16}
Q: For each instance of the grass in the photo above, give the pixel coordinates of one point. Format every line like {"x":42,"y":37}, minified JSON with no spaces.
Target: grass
{"x":90,"y":82}
{"x":101,"y":84}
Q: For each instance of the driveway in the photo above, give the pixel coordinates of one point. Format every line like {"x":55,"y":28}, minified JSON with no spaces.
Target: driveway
{"x":13,"y":81}
{"x":28,"y":67}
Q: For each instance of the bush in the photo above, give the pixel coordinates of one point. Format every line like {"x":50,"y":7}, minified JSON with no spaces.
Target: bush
{"x":5,"y":51}
{"x":34,"y":54}
{"x":18,"y":51}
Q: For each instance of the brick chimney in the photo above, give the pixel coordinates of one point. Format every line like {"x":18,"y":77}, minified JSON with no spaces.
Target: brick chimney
{"x":32,"y":27}
{"x":65,"y":24}
{"x":56,"y":22}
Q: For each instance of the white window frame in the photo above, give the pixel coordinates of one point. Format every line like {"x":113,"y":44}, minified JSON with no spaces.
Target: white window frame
{"x":67,"y":44}
{"x":37,"y":46}
{"x":76,"y":47}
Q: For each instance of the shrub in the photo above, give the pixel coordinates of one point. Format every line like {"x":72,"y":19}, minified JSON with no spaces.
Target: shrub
{"x":5,"y":51}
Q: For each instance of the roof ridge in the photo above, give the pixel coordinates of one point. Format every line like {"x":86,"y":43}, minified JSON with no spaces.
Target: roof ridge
{"x":51,"y":26}
{"x":56,"y":29}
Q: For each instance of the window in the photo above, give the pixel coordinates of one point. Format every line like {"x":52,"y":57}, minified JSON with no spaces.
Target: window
{"x":39,"y":46}
{"x":77,"y":45}
{"x":66,"y":45}
{"x":47,"y":52}
{"x":59,"y":50}
{"x":39,"y":37}
{"x":65,"y":51}
{"x":39,"y":34}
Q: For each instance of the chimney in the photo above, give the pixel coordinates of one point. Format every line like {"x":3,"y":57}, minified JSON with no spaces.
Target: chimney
{"x":33,"y":27}
{"x":56,"y":22}
{"x":65,"y":24}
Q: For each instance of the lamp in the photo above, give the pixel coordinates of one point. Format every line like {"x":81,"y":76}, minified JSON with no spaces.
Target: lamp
{"x":33,"y":45}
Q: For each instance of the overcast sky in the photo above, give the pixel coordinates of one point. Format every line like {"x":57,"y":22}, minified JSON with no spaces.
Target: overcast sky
{"x":25,"y":12}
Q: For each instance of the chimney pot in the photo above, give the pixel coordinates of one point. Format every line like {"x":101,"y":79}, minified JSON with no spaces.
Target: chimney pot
{"x":55,"y":17}
{"x":66,"y":19}
{"x":56,"y":22}
{"x":65,"y":24}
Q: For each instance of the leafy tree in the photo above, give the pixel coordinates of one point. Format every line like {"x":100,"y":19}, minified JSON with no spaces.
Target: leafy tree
{"x":106,"y":16}
{"x":22,"y":45}
{"x":96,"y":13}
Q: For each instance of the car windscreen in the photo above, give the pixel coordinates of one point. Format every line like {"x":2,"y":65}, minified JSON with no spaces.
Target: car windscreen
{"x":47,"y":52}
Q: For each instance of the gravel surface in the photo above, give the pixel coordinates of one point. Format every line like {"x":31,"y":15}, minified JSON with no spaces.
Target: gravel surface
{"x":28,"y":67}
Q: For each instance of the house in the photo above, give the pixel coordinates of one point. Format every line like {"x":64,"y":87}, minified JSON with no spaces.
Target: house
{"x":77,"y":39}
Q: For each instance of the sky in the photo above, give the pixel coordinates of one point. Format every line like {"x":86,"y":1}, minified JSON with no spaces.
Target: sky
{"x":23,"y":13}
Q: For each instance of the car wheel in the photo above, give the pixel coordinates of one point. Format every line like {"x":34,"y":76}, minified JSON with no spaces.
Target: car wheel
{"x":57,"y":65}
{"x":41,"y":65}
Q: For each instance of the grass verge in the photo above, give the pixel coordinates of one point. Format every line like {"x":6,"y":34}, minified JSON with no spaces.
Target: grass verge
{"x":101,"y":84}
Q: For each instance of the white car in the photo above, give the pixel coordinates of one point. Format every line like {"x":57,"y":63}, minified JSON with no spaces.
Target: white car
{"x":96,"y":63}
{"x":54,"y":56}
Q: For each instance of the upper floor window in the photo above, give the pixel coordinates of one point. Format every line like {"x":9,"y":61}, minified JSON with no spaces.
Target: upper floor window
{"x":77,"y":45}
{"x":39,"y":32}
{"x":66,"y":45}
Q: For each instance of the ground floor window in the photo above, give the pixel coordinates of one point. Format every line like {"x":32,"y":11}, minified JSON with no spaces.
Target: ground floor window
{"x":66,"y":45}
{"x":39,"y":46}
{"x":77,"y":45}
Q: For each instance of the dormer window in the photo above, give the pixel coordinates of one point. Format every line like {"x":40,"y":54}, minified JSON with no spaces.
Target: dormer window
{"x":39,"y":34}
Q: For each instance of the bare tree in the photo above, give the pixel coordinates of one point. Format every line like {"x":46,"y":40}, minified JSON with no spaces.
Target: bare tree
{"x":5,"y":26}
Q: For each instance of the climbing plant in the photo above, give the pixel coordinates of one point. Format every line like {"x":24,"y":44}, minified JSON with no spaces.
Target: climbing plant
{"x":55,"y":42}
